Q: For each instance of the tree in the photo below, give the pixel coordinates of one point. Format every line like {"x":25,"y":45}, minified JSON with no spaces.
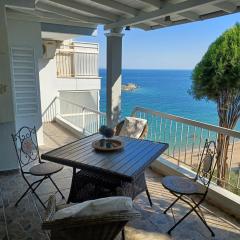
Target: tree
{"x":217,"y":78}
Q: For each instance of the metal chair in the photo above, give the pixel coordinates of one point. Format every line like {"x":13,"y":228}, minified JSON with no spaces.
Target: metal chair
{"x":186,"y":189}
{"x":104,"y":227}
{"x":143,"y":187}
{"x":26,"y":146}
{"x":120,"y":125}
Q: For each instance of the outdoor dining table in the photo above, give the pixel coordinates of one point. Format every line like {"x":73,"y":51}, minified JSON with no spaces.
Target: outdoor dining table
{"x":103,"y":174}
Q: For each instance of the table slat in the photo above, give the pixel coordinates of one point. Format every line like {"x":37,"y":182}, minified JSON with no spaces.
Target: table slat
{"x":126,"y":163}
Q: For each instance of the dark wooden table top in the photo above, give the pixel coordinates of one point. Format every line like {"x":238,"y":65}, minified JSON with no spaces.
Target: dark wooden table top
{"x":125,"y":163}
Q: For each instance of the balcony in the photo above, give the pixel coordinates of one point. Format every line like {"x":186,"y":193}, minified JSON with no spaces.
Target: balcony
{"x":24,"y":222}
{"x":28,"y":76}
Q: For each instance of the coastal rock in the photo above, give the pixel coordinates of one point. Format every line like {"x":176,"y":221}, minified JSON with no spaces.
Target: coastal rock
{"x":129,"y":87}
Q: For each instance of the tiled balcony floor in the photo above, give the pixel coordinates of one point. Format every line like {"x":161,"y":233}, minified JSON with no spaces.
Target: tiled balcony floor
{"x":24,"y":222}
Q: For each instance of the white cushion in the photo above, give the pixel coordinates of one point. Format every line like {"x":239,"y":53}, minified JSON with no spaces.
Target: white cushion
{"x":133,"y":127}
{"x":98,"y":207}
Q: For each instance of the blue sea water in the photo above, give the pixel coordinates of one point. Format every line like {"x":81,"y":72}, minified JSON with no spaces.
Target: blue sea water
{"x":162,"y":90}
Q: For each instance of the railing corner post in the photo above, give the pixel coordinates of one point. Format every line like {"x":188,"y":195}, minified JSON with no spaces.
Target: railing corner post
{"x":57,"y":106}
{"x":83,"y":120}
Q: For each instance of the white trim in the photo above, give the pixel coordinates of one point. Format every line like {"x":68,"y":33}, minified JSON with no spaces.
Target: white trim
{"x":113,"y":34}
{"x":76,"y":16}
{"x":17,"y":15}
{"x":155,"y":3}
{"x":20,"y":4}
{"x":167,"y":10}
{"x":190,"y":15}
{"x":226,"y":6}
{"x":86,"y":8}
{"x":119,"y":6}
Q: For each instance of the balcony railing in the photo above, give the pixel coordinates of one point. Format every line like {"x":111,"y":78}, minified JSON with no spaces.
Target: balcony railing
{"x":85,"y":119}
{"x":75,"y":63}
{"x":82,"y":117}
{"x":185,"y":137}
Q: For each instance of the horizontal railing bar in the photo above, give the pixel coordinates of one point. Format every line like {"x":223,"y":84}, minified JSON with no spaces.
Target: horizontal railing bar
{"x":79,"y":114}
{"x":210,"y":127}
{"x":89,"y":45}
{"x":81,"y":106}
{"x":59,"y":51}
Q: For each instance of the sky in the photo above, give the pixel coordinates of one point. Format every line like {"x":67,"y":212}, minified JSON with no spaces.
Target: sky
{"x":177,"y":47}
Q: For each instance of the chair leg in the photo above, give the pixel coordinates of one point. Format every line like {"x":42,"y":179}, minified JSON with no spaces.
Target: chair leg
{"x":149,"y":198}
{"x":56,"y":187}
{"x":23,"y":195}
{"x":204,"y":222}
{"x":30,"y":187}
{"x":175,"y":225}
{"x":172,"y":204}
{"x":194,"y":208}
{"x":39,"y":200}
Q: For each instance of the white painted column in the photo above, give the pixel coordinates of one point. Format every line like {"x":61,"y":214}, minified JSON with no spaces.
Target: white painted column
{"x":8,"y":160}
{"x":114,"y":77}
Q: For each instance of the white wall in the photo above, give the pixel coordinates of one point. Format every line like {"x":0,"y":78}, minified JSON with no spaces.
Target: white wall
{"x":83,"y":83}
{"x":8,"y":158}
{"x":26,"y":34}
{"x":50,"y":85}
{"x":21,"y":34}
{"x":85,"y":98}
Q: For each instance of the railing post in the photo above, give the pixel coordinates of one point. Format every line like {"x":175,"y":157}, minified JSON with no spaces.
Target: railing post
{"x":83,"y":120}
{"x":57,"y":106}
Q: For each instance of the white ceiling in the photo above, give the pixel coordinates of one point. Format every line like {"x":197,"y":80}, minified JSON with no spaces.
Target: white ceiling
{"x":117,"y":14}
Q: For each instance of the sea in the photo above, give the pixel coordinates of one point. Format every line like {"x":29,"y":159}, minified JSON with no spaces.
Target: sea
{"x":161,"y":90}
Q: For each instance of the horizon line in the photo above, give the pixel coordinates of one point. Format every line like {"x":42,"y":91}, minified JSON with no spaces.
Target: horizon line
{"x":166,"y":69}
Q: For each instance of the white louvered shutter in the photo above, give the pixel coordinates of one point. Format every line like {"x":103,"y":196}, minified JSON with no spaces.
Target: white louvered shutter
{"x":24,"y":78}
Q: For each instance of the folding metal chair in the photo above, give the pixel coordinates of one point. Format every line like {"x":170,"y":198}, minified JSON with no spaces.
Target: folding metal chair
{"x":186,"y":189}
{"x":26,"y":146}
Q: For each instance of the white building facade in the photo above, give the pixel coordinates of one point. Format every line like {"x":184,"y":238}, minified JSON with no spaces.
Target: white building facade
{"x":28,"y":79}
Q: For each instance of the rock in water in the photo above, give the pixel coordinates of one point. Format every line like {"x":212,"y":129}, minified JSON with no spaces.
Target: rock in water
{"x":129,"y":87}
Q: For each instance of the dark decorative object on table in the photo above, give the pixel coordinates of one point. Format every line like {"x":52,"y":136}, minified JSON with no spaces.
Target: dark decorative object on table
{"x":106,"y":131}
{"x":102,"y":129}
{"x":106,"y":142}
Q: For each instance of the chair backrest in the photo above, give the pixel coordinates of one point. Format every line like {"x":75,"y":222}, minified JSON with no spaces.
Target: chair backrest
{"x":88,"y":228}
{"x":207,"y":163}
{"x":120,"y":125}
{"x":26,"y":146}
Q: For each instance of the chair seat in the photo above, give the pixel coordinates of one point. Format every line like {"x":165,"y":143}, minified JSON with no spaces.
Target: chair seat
{"x":181,"y":185}
{"x":45,"y":169}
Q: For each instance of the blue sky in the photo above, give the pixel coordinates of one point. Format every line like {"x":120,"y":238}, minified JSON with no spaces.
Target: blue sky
{"x":178,"y":47}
